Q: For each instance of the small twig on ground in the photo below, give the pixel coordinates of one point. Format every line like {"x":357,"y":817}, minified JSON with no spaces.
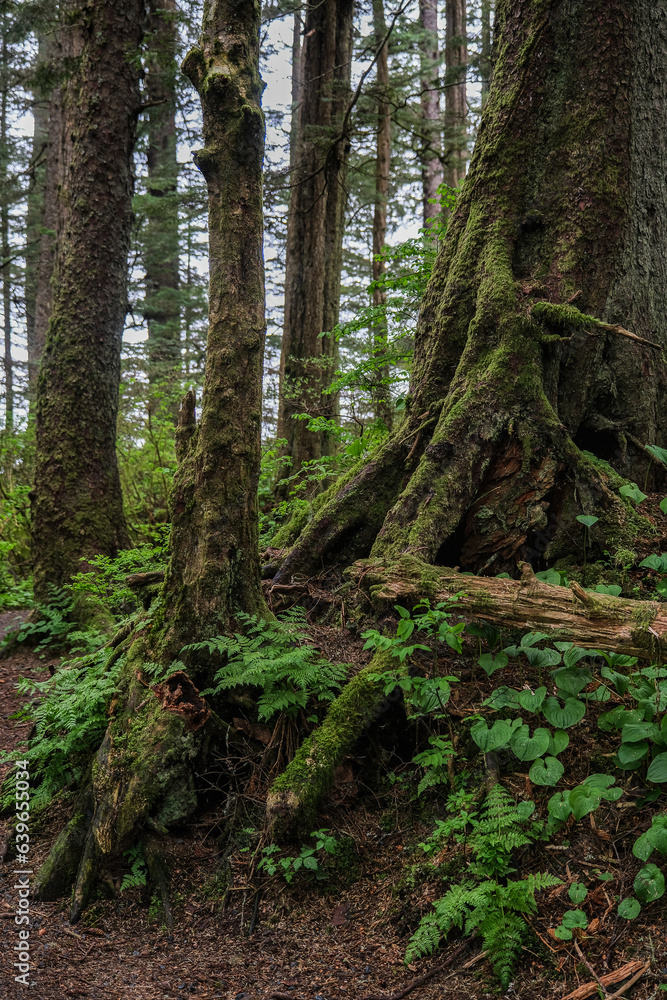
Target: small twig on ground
{"x":425,"y":978}
{"x":589,"y":967}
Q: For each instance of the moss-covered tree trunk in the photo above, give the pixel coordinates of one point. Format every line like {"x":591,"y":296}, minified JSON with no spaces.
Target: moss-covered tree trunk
{"x":142,"y":777}
{"x":315,"y":231}
{"x":523,"y":369}
{"x":77,"y":505}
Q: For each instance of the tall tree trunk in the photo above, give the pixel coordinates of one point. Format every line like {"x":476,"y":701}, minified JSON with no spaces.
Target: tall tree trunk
{"x":522,"y":363}
{"x":161,"y":243}
{"x":143,"y":772}
{"x":5,"y":247}
{"x":62,"y":51}
{"x":35,"y":213}
{"x":214,"y":567}
{"x":431,"y":125}
{"x":315,"y":231}
{"x":456,"y":105}
{"x":381,"y":400}
{"x":77,"y":508}
{"x":485,"y":49}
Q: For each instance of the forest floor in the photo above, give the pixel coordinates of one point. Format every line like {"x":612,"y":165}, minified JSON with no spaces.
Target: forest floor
{"x":346,"y":936}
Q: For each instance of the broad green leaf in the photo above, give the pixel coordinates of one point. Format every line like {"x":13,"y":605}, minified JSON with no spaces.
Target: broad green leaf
{"x":629,"y":908}
{"x":657,"y":769}
{"x":542,"y":657}
{"x":558,"y":741}
{"x":502,"y":697}
{"x":577,"y":893}
{"x":633,"y":732}
{"x":551,"y":576}
{"x":563,"y":716}
{"x":490,"y":663}
{"x":584,"y":799}
{"x":530,"y":638}
{"x":663,"y":505}
{"x":563,"y":933}
{"x":620,"y":681}
{"x":532,"y":701}
{"x":574,"y":654}
{"x":529,"y":748}
{"x":559,"y":806}
{"x":649,"y":884}
{"x":525,"y":809}
{"x":642,"y":847}
{"x":618,"y":717}
{"x":571,"y":680}
{"x":632,"y":491}
{"x":588,"y":519}
{"x":575,"y":918}
{"x":609,"y":588}
{"x":659,"y":453}
{"x":657,"y":834}
{"x":491,"y":739}
{"x":630,"y":754}
{"x":547,"y":771}
{"x":655,"y":562}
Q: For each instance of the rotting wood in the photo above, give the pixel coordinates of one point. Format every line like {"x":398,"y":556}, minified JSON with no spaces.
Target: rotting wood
{"x":634,"y":970}
{"x":586,"y":618}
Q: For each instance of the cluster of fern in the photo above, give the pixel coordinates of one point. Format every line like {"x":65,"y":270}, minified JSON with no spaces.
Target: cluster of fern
{"x":488,"y":903}
{"x":275,"y":658}
{"x":69,"y":714}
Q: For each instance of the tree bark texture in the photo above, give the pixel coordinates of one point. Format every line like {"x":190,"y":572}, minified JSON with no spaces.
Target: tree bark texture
{"x":456,"y":105}
{"x":431,"y":124}
{"x":8,"y":364}
{"x":161,"y":307}
{"x":77,"y":510}
{"x":62,"y":51}
{"x":485,"y":49}
{"x":382,"y":399}
{"x":214,"y":567}
{"x":315,"y":231}
{"x":522,"y":402}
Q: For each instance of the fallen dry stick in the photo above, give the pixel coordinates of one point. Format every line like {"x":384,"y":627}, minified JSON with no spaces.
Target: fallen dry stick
{"x":633,"y":969}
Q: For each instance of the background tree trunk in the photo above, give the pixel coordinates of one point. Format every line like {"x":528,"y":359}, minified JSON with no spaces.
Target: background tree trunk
{"x":77,"y":507}
{"x":456,"y":105}
{"x":382,"y":401}
{"x":560,"y":225}
{"x":161,"y":244}
{"x":315,"y":232}
{"x":431,"y":151}
{"x":485,"y":49}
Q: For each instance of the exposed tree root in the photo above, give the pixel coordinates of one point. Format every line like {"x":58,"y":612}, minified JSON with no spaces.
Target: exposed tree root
{"x":297,"y":793}
{"x":586,"y":618}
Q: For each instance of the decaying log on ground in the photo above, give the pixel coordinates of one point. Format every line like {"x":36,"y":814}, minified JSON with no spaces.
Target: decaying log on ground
{"x":584,"y":617}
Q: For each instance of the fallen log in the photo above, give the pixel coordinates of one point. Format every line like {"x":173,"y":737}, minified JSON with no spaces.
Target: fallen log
{"x":584,"y":617}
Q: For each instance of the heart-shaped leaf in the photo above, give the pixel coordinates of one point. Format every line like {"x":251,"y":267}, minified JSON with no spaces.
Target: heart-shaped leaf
{"x":547,"y":771}
{"x":575,"y":918}
{"x":588,"y":519}
{"x":584,"y":799}
{"x":558,"y":741}
{"x":608,"y":588}
{"x":657,"y":769}
{"x":490,"y":663}
{"x":618,"y":717}
{"x":649,"y":884}
{"x":577,"y":893}
{"x":491,"y":739}
{"x":656,"y":562}
{"x":542,"y":657}
{"x":502,"y":697}
{"x":551,"y":576}
{"x":559,"y":806}
{"x":529,"y":748}
{"x":563,"y":716}
{"x":657,"y":452}
{"x":532,"y":701}
{"x":629,"y":908}
{"x":633,"y":732}
{"x":663,"y":505}
{"x":630,"y":754}
{"x":571,"y":680}
{"x":632,"y":491}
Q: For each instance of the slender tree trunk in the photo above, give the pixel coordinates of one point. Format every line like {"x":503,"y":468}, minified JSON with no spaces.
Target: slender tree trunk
{"x":381,"y":401}
{"x":456,"y":105}
{"x":77,"y":508}
{"x":297,"y":74}
{"x":6,"y":253}
{"x":315,"y":231}
{"x":523,"y":369}
{"x":161,"y":244}
{"x":35,"y":214}
{"x":214,"y":568}
{"x":485,"y":49}
{"x":431,"y":149}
